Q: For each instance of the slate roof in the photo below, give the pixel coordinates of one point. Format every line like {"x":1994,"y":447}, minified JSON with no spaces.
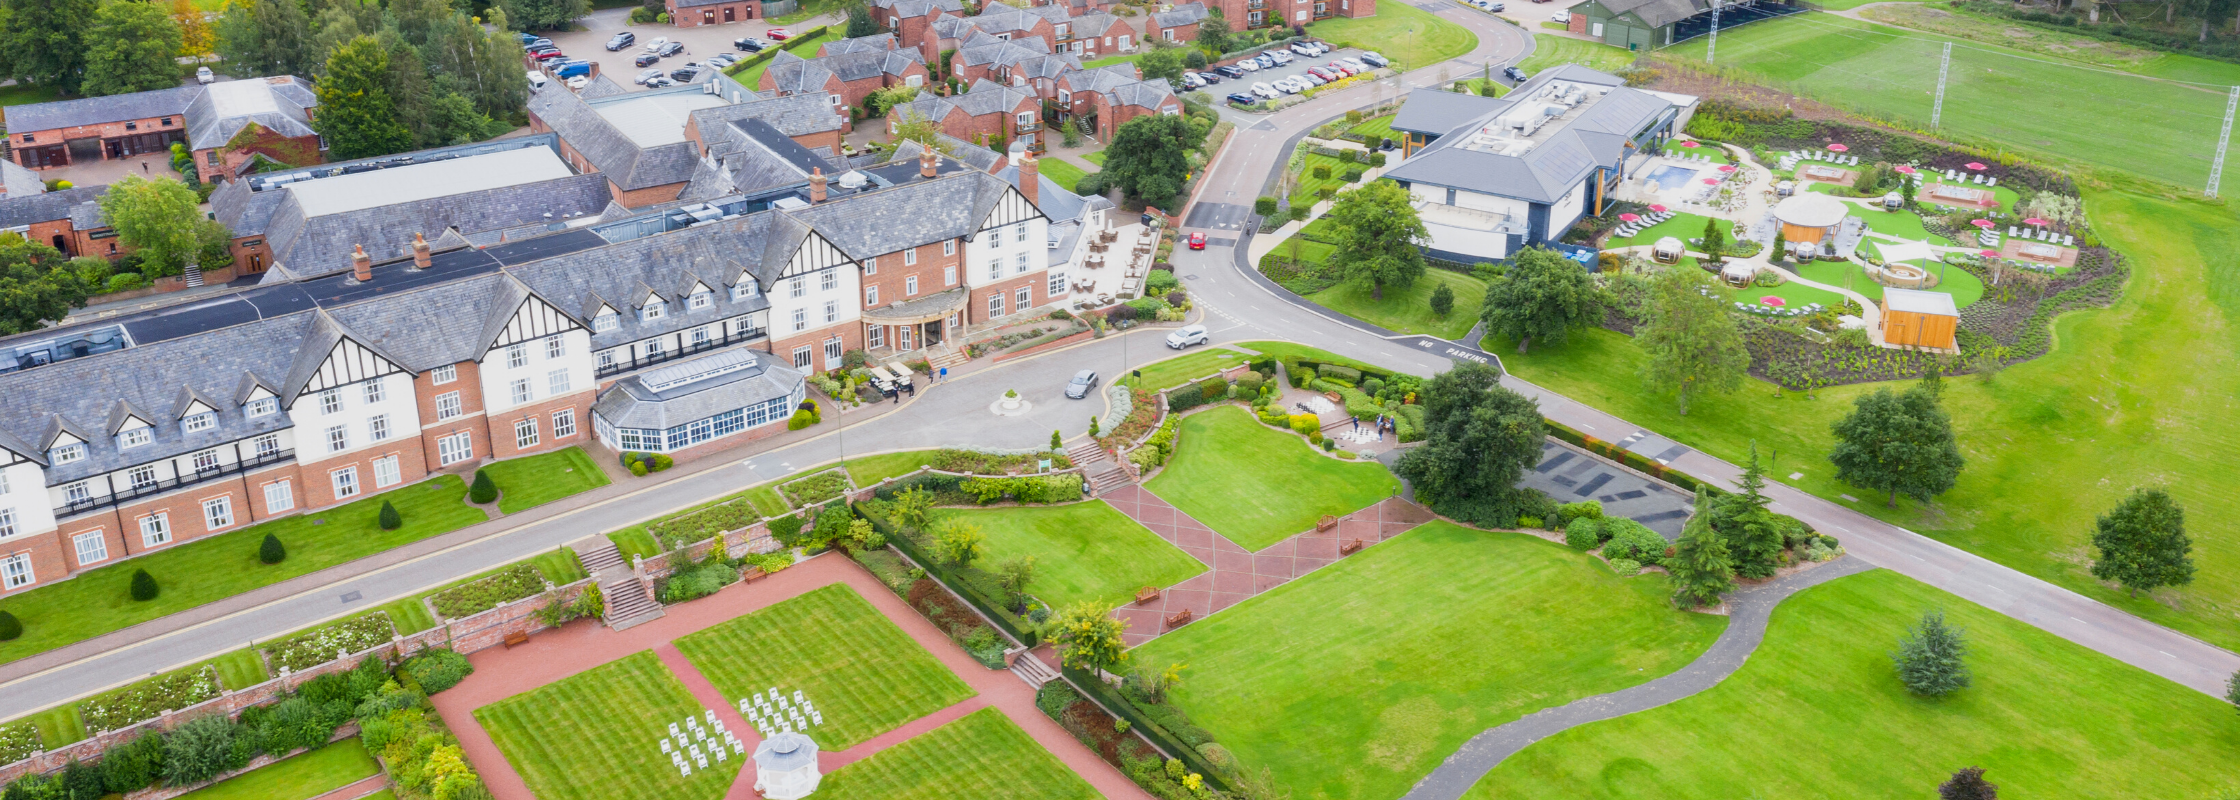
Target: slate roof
{"x":620,"y":275}
{"x":35,"y":117}
{"x":242,"y":210}
{"x":1567,"y":149}
{"x":1658,"y":13}
{"x":986,"y":97}
{"x":611,"y":152}
{"x":790,"y":74}
{"x":322,"y":244}
{"x":888,"y":220}
{"x":959,"y":150}
{"x":795,"y":115}
{"x":1146,"y":94}
{"x":1101,"y":79}
{"x":1185,"y":14}
{"x":872,"y":63}
{"x":633,"y":404}
{"x":1435,"y":112}
{"x":756,"y":157}
{"x":1093,"y":24}
{"x":211,"y":122}
{"x":431,"y":326}
{"x":995,"y":18}
{"x":985,"y":49}
{"x":1068,"y":212}
{"x":604,"y":86}
{"x":860,"y":44}
{"x":16,"y":181}
{"x":919,"y":8}
{"x":46,"y":206}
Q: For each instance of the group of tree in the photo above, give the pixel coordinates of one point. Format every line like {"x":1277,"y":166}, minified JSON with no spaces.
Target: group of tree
{"x":95,"y":48}
{"x":38,"y":284}
{"x":1149,"y":158}
{"x":1479,"y":438}
{"x":1733,"y":535}
{"x":161,"y":220}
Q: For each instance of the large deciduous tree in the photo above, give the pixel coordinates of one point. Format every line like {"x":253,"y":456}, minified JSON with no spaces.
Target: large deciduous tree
{"x":1899,"y":443}
{"x":45,"y":41}
{"x":1161,"y":63}
{"x":356,"y":113}
{"x":161,"y":221}
{"x":1693,"y":343}
{"x":1932,"y":657}
{"x":1543,"y":296}
{"x":1478,"y":439}
{"x":1378,"y":234}
{"x":1213,"y":34}
{"x":266,"y":37}
{"x":536,"y":15}
{"x":1702,"y":568}
{"x":37,"y":285}
{"x":1150,"y":157}
{"x":485,"y":64}
{"x":2143,"y":543}
{"x":133,"y":46}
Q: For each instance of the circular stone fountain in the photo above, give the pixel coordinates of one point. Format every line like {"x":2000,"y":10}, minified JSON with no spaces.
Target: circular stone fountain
{"x":1010,"y":404}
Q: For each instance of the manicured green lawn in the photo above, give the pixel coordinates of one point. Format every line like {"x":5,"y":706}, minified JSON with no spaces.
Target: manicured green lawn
{"x":863,"y":672}
{"x":1412,"y":37}
{"x":1682,"y":226}
{"x":1375,"y":127}
{"x":1280,"y":350}
{"x":1096,"y":158}
{"x":1408,"y":310}
{"x":241,"y":669}
{"x":1111,"y":60}
{"x":217,"y":567}
{"x":597,"y":735}
{"x":869,"y":470}
{"x":1257,"y":485}
{"x":301,"y":777}
{"x":1183,"y":369}
{"x":636,"y":540}
{"x":1549,"y":51}
{"x":1304,"y":250}
{"x":560,"y":566}
{"x":983,"y":755}
{"x":1061,"y":171}
{"x":1902,"y":224}
{"x":1083,"y":551}
{"x":540,"y":479}
{"x":1817,"y":711}
{"x":1354,"y":681}
{"x":410,"y":615}
{"x":1307,"y":190}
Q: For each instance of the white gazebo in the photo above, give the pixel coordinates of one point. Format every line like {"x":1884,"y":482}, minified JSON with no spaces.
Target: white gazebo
{"x":1668,"y":250}
{"x":1810,"y":216}
{"x":785,"y":767}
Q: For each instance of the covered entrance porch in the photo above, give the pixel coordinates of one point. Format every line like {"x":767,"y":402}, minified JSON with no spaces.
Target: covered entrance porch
{"x":914,"y":324}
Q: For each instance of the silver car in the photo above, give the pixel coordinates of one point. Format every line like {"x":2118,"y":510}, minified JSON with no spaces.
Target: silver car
{"x":1083,"y":381}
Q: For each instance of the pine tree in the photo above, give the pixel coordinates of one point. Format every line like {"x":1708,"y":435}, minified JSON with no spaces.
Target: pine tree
{"x":484,"y":489}
{"x":10,"y":627}
{"x":1442,"y":299}
{"x":1968,"y":784}
{"x":144,"y":586}
{"x":1780,"y":246}
{"x":1932,"y":658}
{"x":2143,"y":543}
{"x":390,"y":520}
{"x":1752,"y":534}
{"x":272,"y":552}
{"x":2231,"y":686}
{"x":1714,"y":241}
{"x":1701,"y":567}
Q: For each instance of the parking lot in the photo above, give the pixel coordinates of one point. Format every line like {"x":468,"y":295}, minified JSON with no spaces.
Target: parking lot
{"x":700,"y":42}
{"x":1298,"y":66}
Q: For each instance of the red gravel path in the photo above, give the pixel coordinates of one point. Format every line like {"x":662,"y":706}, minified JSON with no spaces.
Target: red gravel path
{"x":504,"y":672}
{"x":356,"y":790}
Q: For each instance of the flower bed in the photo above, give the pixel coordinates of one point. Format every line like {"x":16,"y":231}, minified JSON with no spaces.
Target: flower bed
{"x":815,"y":489}
{"x":149,"y":699}
{"x":467,"y":599}
{"x":18,"y":742}
{"x":981,"y":463}
{"x":704,"y":524}
{"x":320,"y":645}
{"x":1010,"y":340}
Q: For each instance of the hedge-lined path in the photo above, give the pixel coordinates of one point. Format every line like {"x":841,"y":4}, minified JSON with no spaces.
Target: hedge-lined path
{"x":1749,"y":610}
{"x":581,"y":645}
{"x":1236,"y":573}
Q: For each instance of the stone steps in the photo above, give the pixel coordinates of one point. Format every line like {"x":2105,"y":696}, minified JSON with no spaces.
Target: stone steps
{"x":598,"y":554}
{"x":1031,"y":670}
{"x":627,"y":603}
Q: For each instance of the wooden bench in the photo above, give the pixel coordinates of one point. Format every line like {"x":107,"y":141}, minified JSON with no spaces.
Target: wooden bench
{"x":516,"y":637}
{"x":1350,"y":548}
{"x":1327,"y":522}
{"x":1147,"y":594}
{"x":752,"y":574}
{"x":1178,"y":619}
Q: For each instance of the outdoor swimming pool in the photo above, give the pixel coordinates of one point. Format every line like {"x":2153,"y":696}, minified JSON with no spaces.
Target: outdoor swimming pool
{"x":1672,"y":177}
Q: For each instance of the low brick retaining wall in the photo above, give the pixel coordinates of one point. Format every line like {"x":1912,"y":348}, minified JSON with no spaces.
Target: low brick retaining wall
{"x":1044,"y":347}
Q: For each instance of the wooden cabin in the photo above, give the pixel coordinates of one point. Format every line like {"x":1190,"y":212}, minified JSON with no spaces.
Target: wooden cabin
{"x":1915,"y":318}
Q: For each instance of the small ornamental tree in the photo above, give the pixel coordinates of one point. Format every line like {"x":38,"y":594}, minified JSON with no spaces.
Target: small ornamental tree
{"x":1968,"y":784}
{"x":959,"y":542}
{"x":10,"y":628}
{"x":484,"y":489}
{"x":1900,"y":443}
{"x":1442,"y":299}
{"x":144,"y":586}
{"x":1932,"y":658}
{"x":1014,"y":574}
{"x":1092,"y":426}
{"x":2143,"y":543}
{"x":1057,"y":441}
{"x":1780,"y":246}
{"x":1542,"y":296}
{"x":911,"y":506}
{"x":390,"y":519}
{"x":1714,"y":241}
{"x":2231,"y":685}
{"x":272,"y":552}
{"x":1088,"y":637}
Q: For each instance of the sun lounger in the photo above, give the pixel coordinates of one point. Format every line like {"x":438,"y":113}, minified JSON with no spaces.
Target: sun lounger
{"x":2069,"y":241}
{"x":1991,"y":181}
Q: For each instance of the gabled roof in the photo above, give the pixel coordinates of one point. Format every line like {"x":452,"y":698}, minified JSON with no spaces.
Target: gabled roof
{"x":281,"y":104}
{"x":986,"y":97}
{"x":1101,"y":79}
{"x":601,"y":86}
{"x":431,"y":326}
{"x":790,"y":74}
{"x":1435,"y":112}
{"x":860,"y":44}
{"x":621,"y":274}
{"x":1185,"y":14}
{"x":958,"y":150}
{"x":1658,"y":13}
{"x":1562,"y":153}
{"x":1093,"y":24}
{"x":1151,"y":94}
{"x":35,"y":117}
{"x":609,"y":150}
{"x":919,"y":8}
{"x":317,"y":245}
{"x":795,"y":115}
{"x":45,"y":207}
{"x":18,"y":182}
{"x":920,"y":212}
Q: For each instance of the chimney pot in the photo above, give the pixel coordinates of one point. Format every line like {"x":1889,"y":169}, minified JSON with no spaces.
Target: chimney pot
{"x":816,"y":185}
{"x":1030,"y":184}
{"x":926,"y":162}
{"x":361,"y":265}
{"x":419,"y":252}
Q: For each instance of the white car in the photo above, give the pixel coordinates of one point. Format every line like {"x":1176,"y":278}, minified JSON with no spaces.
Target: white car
{"x":1305,"y":49}
{"x":648,"y":74}
{"x":1186,"y":336}
{"x":1560,"y":16}
{"x":204,"y":75}
{"x":1354,"y":64}
{"x":1280,"y":57}
{"x":1303,"y":82}
{"x":536,"y":81}
{"x":1265,"y":91}
{"x":1190,"y":80}
{"x":578,"y":82}
{"x":1249,"y":65}
{"x":656,"y":44}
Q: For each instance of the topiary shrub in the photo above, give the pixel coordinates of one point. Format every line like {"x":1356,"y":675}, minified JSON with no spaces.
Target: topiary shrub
{"x":10,"y":627}
{"x":1322,"y":171}
{"x":1625,"y":538}
{"x":1625,"y":567}
{"x":786,"y":529}
{"x":144,"y":586}
{"x":438,"y":669}
{"x":272,"y":552}
{"x":1585,"y":509}
{"x":390,"y":519}
{"x":484,"y":489}
{"x":801,"y":419}
{"x":1334,"y":372}
{"x":638,"y":468}
{"x":1583,"y":533}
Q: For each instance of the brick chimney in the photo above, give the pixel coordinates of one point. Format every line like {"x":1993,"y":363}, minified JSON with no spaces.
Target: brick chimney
{"x":926,"y":162}
{"x":1030,"y":184}
{"x":361,"y":265}
{"x":816,"y":185}
{"x":419,"y":252}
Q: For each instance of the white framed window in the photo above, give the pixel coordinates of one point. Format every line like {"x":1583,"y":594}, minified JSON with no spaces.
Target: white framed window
{"x":1026,"y":118}
{"x":877,"y":338}
{"x":135,"y":437}
{"x":521,"y":391}
{"x":910,"y":286}
{"x":76,"y":493}
{"x":377,"y":428}
{"x":3,"y":483}
{"x":828,"y":280}
{"x":279,"y":496}
{"x":914,"y":80}
{"x":345,"y":482}
{"x":444,"y":374}
{"x":871,"y":265}
{"x":556,"y":346}
{"x":373,"y":392}
{"x":217,"y":512}
{"x":1019,"y":264}
{"x":743,"y":289}
{"x":801,"y":319}
{"x":7,"y":522}
{"x":155,"y":530}
{"x":831,"y":311}
{"x":454,"y":448}
{"x":338,"y":438}
{"x":606,"y":359}
{"x":385,"y":472}
{"x":606,"y":321}
{"x":525,"y":432}
{"x":949,"y":248}
{"x":1058,"y":284}
{"x":448,"y":406}
{"x":15,"y":571}
{"x":870,"y":296}
{"x":266,"y":446}
{"x":141,"y":477}
{"x":205,"y":461}
{"x":995,"y":305}
{"x":910,"y":257}
{"x":1023,"y":299}
{"x":264,"y":406}
{"x":69,"y":453}
{"x":701,"y":335}
{"x":700,"y":299}
{"x":949,"y":275}
{"x":995,"y":268}
{"x":557,"y":381}
{"x":563,"y":423}
{"x":197,"y":423}
{"x":330,"y":401}
{"x":804,"y":357}
{"x":797,"y":286}
{"x":655,"y":309}
{"x":832,"y":352}
{"x":92,"y":547}
{"x":517,"y":356}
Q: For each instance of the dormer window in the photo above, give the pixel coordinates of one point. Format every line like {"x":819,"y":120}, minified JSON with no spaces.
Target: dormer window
{"x":701,"y":299}
{"x":135,"y":438}
{"x":743,"y":290}
{"x":606,"y":321}
{"x":195,"y":423}
{"x":69,"y":453}
{"x":264,"y":406}
{"x":655,"y":309}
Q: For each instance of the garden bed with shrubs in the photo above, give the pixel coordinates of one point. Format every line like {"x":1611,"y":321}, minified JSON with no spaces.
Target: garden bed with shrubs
{"x":980,"y":463}
{"x":149,"y":699}
{"x":321,"y":645}
{"x":1112,"y":740}
{"x":18,"y":741}
{"x":1024,"y":339}
{"x":706,"y":523}
{"x":983,"y":590}
{"x":818,"y":488}
{"x":476,"y":596}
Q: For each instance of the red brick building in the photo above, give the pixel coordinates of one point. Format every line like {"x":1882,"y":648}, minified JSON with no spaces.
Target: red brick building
{"x":1110,"y":96}
{"x":695,"y":13}
{"x":848,"y":77}
{"x":989,"y":114}
{"x":1178,"y":24}
{"x":227,"y":125}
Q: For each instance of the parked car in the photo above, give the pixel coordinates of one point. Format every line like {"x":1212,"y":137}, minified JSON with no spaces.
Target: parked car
{"x":1514,"y":74}
{"x":579,"y":81}
{"x":1265,"y":91}
{"x":656,"y":43}
{"x":647,"y":74}
{"x":1083,"y":381}
{"x":1230,"y":71}
{"x":750,"y":44}
{"x":1266,"y":61}
{"x":672,"y":48}
{"x":548,"y":55}
{"x":621,"y":40}
{"x":1280,"y":57}
{"x":572,"y":69}
{"x":645,"y":60}
{"x":659,"y":81}
{"x":527,"y":37}
{"x":1375,"y":59}
{"x":538,"y":42}
{"x":1496,"y":7}
{"x":1304,"y":49}
{"x":685,"y":74}
{"x":1209,"y":78}
{"x":1302,"y":82}
{"x":778,"y":34}
{"x":1248,"y":65}
{"x":204,"y":75}
{"x":1338,"y":68}
{"x":536,"y":81}
{"x":1242,"y":99}
{"x":1313,"y":78}
{"x":1560,"y":16}
{"x":1355,"y":65}
{"x":1198,"y":240}
{"x":1188,"y":335}
{"x":1190,"y":80}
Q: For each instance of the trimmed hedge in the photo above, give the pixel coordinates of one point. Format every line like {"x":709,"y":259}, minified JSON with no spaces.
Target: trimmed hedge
{"x":990,"y":605}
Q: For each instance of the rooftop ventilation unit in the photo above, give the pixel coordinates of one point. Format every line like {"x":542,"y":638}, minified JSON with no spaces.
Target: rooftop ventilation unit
{"x":853,"y":180}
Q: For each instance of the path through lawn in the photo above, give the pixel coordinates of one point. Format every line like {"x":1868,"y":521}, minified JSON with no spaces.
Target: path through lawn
{"x":1257,"y":485}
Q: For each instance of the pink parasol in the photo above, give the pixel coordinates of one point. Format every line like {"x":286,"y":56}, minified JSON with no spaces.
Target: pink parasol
{"x":1712,"y":181}
{"x":1983,"y":223}
{"x":1657,"y":208}
{"x":1905,"y":170}
{"x":1629,"y":217}
{"x":2035,"y":221}
{"x":1726,"y":168}
{"x":1838,"y":147}
{"x":1689,"y":144}
{"x":1976,"y":165}
{"x":1988,"y":253}
{"x":1771,"y":300}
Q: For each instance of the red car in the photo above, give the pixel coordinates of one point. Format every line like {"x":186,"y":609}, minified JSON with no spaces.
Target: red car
{"x":778,"y":34}
{"x":1337,"y":68}
{"x":1198,"y":241}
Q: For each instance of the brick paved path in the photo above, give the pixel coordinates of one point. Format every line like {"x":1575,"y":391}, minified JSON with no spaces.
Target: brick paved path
{"x":1237,"y":573}
{"x":552,"y":655}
